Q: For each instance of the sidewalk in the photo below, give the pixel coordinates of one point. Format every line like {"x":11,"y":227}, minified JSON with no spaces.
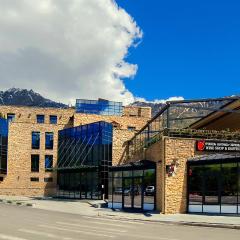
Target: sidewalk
{"x":85,"y":208}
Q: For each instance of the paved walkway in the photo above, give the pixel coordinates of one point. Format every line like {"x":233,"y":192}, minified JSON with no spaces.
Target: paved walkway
{"x":84,"y":207}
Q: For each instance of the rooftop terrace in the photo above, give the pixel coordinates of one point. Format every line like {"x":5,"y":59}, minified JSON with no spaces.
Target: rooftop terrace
{"x":178,"y":119}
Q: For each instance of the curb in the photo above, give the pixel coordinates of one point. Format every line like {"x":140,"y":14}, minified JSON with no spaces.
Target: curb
{"x":195,"y":224}
{"x":16,"y":203}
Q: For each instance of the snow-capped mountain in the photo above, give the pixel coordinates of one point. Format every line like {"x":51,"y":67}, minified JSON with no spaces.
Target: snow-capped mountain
{"x":24,"y":97}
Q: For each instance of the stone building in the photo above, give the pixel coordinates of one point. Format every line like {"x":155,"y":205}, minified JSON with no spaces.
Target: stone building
{"x":185,"y":159}
{"x":193,"y":151}
{"x":33,"y":143}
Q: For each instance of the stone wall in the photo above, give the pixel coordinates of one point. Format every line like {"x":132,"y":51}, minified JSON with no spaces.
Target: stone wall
{"x":132,"y":111}
{"x":17,"y":180}
{"x":120,"y":122}
{"x":177,"y":151}
{"x":28,"y":114}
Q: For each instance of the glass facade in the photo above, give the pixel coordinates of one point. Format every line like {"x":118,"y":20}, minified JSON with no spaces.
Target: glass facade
{"x":132,"y":187}
{"x":80,"y":184}
{"x":35,"y":140}
{"x":99,"y":107}
{"x":84,"y":157}
{"x":3,"y":145}
{"x":214,"y":187}
{"x":49,"y":140}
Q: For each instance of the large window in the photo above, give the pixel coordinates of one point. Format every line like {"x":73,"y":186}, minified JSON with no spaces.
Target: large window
{"x":35,"y":163}
{"x":48,"y":162}
{"x":214,"y":188}
{"x":212,"y":184}
{"x":53,"y":119}
{"x":35,"y":140}
{"x":40,"y":118}
{"x":49,"y":140}
{"x":101,"y":107}
{"x":80,"y":184}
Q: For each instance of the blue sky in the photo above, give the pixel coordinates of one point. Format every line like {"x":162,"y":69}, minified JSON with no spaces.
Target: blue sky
{"x":189,"y":48}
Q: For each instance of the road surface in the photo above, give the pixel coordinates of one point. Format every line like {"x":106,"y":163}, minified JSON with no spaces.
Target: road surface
{"x":26,"y":223}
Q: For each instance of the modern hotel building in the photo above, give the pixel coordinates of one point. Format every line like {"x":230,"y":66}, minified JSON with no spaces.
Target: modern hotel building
{"x":185,"y":159}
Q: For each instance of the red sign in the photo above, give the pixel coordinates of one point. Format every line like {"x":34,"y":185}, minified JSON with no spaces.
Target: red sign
{"x":201,"y":145}
{"x":217,"y":146}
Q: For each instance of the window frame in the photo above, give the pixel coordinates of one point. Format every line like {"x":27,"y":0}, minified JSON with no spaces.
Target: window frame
{"x":51,"y":146}
{"x":34,"y":179}
{"x":53,"y":119}
{"x":131,"y":128}
{"x":34,"y":146}
{"x":48,"y":169}
{"x":33,"y":167}
{"x":11,"y":117}
{"x":38,"y":116}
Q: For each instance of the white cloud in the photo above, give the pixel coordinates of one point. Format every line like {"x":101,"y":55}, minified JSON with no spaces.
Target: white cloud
{"x":67,"y":49}
{"x":159,"y":100}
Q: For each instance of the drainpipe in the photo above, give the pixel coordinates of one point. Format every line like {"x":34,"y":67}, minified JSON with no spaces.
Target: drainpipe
{"x":164,"y":176}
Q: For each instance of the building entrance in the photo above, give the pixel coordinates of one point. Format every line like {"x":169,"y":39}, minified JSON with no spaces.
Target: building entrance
{"x":133,"y":186}
{"x":132,"y":192}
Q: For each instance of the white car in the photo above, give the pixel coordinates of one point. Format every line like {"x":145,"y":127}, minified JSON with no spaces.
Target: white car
{"x":150,"y":190}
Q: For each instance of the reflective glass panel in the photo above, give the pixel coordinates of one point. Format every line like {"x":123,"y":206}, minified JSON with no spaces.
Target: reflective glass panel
{"x":195,"y":179}
{"x":212,"y":184}
{"x":229,"y":183}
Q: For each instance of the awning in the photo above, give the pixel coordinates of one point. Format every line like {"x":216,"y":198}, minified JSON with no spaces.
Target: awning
{"x":217,"y":157}
{"x":137,"y":165}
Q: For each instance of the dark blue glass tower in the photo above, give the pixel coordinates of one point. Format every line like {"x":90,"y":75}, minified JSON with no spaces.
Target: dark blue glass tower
{"x":84,"y":157}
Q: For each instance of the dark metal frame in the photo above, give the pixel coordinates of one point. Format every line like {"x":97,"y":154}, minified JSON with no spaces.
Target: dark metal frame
{"x":66,"y":193}
{"x":176,"y":103}
{"x":142,"y":165}
{"x":173,"y":116}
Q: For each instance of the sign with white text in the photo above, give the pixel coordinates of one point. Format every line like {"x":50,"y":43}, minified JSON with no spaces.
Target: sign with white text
{"x":218,"y":146}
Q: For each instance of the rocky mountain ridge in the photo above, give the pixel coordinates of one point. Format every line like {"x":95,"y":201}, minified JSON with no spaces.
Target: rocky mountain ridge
{"x":24,"y":97}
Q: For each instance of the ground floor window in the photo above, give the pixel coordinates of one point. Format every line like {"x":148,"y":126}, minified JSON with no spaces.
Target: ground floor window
{"x":79,"y":184}
{"x":132,"y":188}
{"x":214,"y":187}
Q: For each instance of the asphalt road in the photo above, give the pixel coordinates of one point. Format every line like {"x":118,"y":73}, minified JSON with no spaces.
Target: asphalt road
{"x":25,"y":223}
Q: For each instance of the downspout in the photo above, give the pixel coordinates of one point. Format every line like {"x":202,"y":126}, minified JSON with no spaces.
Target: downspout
{"x":164,"y":176}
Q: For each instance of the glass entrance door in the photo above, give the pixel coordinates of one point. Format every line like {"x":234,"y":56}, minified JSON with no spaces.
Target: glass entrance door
{"x":127,"y":194}
{"x":132,"y":192}
{"x":137,"y":192}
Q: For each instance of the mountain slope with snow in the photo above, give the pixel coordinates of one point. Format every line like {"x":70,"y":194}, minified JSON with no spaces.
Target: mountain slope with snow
{"x":24,"y":97}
